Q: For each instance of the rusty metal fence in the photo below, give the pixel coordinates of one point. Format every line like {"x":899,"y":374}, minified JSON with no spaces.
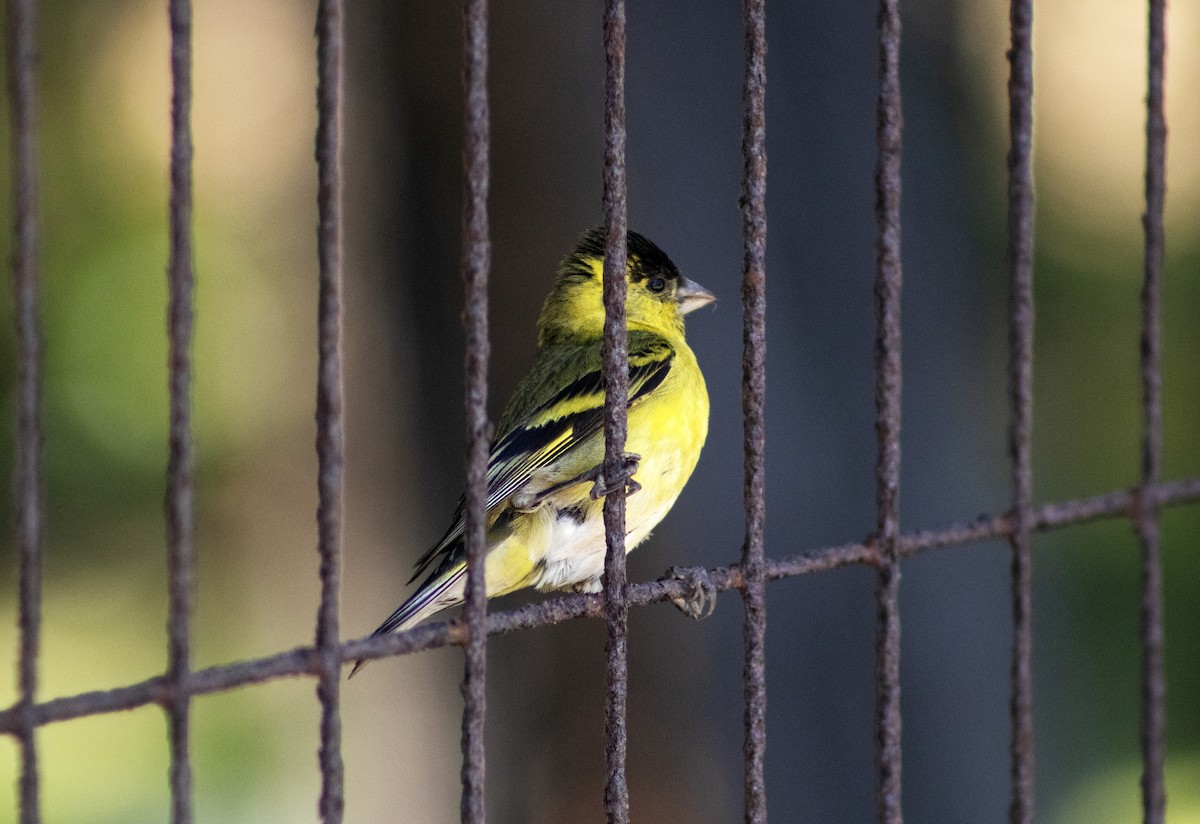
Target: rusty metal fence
{"x":884,"y":551}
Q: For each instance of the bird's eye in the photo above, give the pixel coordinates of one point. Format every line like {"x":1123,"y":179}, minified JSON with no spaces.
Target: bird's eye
{"x":656,"y":284}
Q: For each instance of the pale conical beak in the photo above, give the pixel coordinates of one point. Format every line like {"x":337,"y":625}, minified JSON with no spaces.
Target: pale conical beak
{"x":691,"y":296}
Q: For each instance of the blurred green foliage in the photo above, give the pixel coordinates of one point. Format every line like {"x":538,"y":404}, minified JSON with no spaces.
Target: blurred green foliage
{"x":103,"y":196}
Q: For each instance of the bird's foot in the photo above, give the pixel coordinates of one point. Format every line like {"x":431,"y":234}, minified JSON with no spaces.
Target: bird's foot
{"x":525,"y":501}
{"x":603,"y":486}
{"x":701,"y":598}
{"x":589,"y":586}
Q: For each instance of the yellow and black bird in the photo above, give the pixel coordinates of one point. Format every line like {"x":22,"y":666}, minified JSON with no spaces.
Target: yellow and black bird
{"x":545,"y":487}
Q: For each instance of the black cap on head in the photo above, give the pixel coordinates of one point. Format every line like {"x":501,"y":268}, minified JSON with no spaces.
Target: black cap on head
{"x":645,"y":258}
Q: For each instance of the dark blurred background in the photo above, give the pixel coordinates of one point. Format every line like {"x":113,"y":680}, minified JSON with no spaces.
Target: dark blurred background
{"x":103,"y":137}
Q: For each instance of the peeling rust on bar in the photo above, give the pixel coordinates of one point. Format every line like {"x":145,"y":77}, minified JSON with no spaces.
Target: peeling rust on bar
{"x":615,"y":368}
{"x":330,"y":420}
{"x":888,"y":278}
{"x":305,"y":661}
{"x":27,"y":474}
{"x":180,"y":312}
{"x":1154,"y":716}
{"x":476,"y":263}
{"x":754,"y":389}
{"x":1020,"y":376}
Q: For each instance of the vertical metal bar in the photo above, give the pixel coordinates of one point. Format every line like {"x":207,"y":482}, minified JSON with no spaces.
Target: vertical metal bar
{"x":888,"y":279}
{"x":1020,"y":374}
{"x":615,"y":367}
{"x":330,"y":427}
{"x":754,"y":391}
{"x":27,"y":480}
{"x":477,"y":258}
{"x":181,"y":281}
{"x":1154,"y":717}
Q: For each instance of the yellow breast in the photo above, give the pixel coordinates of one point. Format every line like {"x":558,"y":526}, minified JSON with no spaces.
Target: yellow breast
{"x":668,"y":430}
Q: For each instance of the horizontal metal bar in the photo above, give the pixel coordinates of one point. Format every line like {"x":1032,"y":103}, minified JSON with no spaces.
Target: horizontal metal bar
{"x":306,"y":661}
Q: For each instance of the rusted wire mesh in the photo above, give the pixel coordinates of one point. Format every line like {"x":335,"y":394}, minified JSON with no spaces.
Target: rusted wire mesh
{"x":884,"y":550}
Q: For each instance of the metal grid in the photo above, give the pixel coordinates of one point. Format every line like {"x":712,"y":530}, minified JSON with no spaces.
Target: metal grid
{"x":884,"y":550}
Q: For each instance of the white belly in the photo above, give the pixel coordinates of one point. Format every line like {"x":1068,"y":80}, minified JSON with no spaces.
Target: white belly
{"x":574,"y":556}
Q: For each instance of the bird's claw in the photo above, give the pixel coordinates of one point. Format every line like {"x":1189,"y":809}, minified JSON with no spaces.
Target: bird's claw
{"x":524,"y":501}
{"x":701,"y":598}
{"x":527,"y":500}
{"x":603,"y":486}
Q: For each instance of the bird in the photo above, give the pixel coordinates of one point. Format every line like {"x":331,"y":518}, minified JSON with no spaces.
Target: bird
{"x":545,"y":484}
